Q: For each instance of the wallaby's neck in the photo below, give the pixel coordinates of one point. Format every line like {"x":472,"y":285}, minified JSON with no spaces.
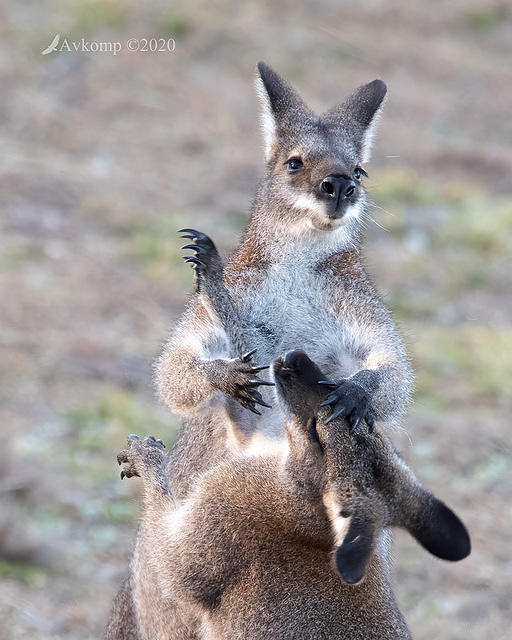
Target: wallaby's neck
{"x":267,"y":241}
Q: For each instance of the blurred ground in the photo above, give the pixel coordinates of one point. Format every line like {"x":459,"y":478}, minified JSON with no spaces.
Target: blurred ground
{"x":104,"y":157}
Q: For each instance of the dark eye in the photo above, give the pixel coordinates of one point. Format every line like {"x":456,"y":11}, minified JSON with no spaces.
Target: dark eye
{"x":293,"y":165}
{"x":358,"y":173}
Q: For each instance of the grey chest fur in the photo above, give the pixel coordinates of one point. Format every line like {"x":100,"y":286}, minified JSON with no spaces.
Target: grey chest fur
{"x":290,"y":309}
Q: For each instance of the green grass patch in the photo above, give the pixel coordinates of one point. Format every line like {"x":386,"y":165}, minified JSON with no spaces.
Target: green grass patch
{"x":90,"y":17}
{"x":474,"y":360}
{"x":29,"y":574}
{"x":485,"y":19}
{"x":173,"y":25}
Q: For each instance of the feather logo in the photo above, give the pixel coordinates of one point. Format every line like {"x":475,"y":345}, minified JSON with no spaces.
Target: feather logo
{"x":52,"y":46}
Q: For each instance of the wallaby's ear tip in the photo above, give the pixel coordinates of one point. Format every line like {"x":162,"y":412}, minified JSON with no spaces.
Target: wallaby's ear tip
{"x":354,"y":553}
{"x":378,"y":89}
{"x":263,"y":69}
{"x":446,"y":536}
{"x":350,"y":572}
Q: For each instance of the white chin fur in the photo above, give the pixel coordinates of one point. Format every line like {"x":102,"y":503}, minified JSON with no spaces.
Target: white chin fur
{"x":313,"y":205}
{"x":309,"y":203}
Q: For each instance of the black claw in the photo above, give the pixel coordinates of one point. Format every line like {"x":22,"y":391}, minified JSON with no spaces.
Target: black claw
{"x":264,"y":404}
{"x":257,"y":398}
{"x":335,"y":415}
{"x":328,"y":383}
{"x":370,"y":421}
{"x":196,"y":234}
{"x":256,"y":369}
{"x":252,"y":408}
{"x":262,"y":383}
{"x":329,"y":400}
{"x":194,"y":247}
{"x":247,"y":356}
{"x":194,"y":260}
{"x":354,"y":423}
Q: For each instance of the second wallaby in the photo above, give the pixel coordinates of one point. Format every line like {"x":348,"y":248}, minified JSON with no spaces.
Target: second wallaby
{"x":294,"y":546}
{"x":297,"y":279}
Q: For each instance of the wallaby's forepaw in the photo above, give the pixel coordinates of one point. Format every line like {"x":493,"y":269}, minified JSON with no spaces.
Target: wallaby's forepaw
{"x":206,"y":260}
{"x":237,"y":378}
{"x":349,"y":400}
{"x":140,"y":454}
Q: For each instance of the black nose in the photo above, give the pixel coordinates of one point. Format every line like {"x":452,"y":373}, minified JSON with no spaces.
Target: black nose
{"x":337,"y":187}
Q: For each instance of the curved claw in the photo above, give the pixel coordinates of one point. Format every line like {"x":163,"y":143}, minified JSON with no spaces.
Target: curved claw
{"x":263,"y":383}
{"x":370,"y":420}
{"x":336,"y":414}
{"x":194,"y":260}
{"x":256,"y":369}
{"x":194,"y":247}
{"x":251,"y":407}
{"x":329,"y":400}
{"x":262,"y":403}
{"x":196,"y":234}
{"x":247,"y":356}
{"x":328,"y":383}
{"x":353,"y":423}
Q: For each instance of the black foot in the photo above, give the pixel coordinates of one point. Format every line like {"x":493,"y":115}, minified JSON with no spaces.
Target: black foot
{"x":206,"y":259}
{"x":139,"y":454}
{"x":349,"y":400}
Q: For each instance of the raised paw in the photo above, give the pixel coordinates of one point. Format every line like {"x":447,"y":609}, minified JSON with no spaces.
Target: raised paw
{"x":206,"y":259}
{"x":351,"y":401}
{"x":238,"y":379}
{"x":140,"y":454}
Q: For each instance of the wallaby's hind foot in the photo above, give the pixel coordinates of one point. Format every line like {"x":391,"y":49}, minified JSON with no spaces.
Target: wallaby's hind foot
{"x":143,"y":457}
{"x":206,"y":261}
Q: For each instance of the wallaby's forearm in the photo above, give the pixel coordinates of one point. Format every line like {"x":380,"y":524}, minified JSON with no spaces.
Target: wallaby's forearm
{"x":369,"y":335}
{"x":389,"y":387}
{"x":185,"y":372}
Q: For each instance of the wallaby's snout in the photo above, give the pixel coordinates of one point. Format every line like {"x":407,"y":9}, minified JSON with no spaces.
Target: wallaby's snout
{"x":337,"y":189}
{"x":297,"y":378}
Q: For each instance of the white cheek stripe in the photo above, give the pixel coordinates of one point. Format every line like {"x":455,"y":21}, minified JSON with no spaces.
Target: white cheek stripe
{"x":339,"y":524}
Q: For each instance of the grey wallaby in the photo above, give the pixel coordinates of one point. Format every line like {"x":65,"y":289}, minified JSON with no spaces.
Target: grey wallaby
{"x":296,"y":281}
{"x":295,"y":546}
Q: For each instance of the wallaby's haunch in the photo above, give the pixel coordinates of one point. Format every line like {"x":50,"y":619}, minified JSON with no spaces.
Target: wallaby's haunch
{"x":297,"y":280}
{"x":293,"y":546}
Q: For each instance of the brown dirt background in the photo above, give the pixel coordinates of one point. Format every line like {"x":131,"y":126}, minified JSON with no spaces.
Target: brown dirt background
{"x":104,"y":157}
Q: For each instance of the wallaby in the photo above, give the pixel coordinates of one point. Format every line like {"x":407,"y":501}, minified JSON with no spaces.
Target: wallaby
{"x":293,"y":546}
{"x":296,"y":281}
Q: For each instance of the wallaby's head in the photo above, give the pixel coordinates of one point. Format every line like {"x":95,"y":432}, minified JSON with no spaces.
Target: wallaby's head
{"x":365,"y":485}
{"x":315,"y":164}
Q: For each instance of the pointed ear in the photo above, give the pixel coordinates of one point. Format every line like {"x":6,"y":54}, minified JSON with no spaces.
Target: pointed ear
{"x":354,"y":553}
{"x":359,"y":114}
{"x":439,"y":530}
{"x":280,"y":104}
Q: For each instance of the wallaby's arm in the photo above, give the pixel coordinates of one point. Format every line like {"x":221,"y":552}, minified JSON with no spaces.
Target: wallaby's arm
{"x":187,"y":368}
{"x":208,"y":351}
{"x":386,"y":374}
{"x":369,"y":335}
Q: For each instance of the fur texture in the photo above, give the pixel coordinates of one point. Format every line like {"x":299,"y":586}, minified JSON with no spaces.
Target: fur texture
{"x":297,"y":280}
{"x":294,"y":547}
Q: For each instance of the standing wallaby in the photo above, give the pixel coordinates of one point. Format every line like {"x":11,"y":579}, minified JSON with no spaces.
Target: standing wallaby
{"x":297,"y":280}
{"x":295,"y":546}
